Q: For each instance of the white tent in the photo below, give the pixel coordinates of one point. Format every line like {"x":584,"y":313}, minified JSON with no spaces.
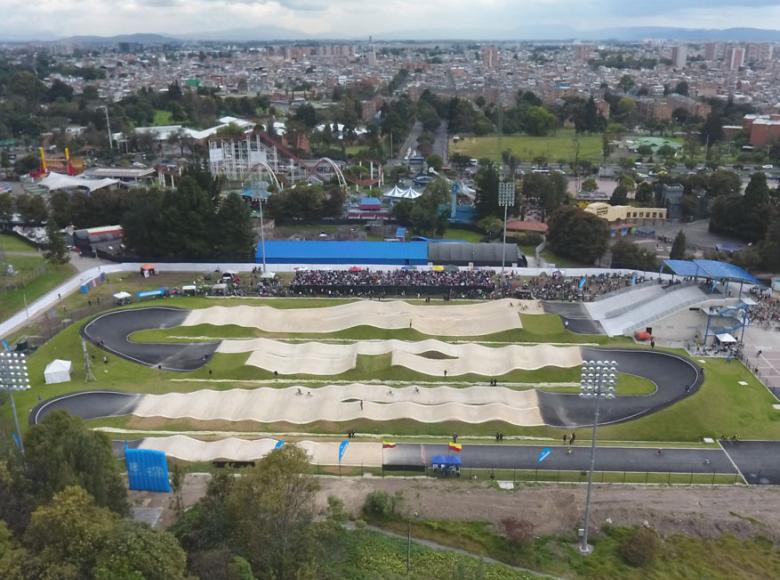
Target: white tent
{"x":725,"y":338}
{"x":395,"y":193}
{"x":55,"y":181}
{"x":57,"y":371}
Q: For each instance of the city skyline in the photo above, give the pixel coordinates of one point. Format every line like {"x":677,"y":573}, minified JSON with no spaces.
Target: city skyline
{"x":393,"y":19}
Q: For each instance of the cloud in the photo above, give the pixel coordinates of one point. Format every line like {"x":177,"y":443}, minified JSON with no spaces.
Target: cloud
{"x":361,"y":18}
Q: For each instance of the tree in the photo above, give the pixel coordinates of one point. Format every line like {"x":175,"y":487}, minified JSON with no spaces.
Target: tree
{"x":491,"y":225}
{"x":577,"y":234}
{"x":73,"y":538}
{"x":434,"y":162}
{"x":61,"y":451}
{"x":142,"y":223}
{"x":757,"y":191}
{"x":188,"y":221}
{"x":540,"y":122}
{"x":235,"y":238}
{"x":723,"y":182}
{"x":32,"y":208}
{"x":644,"y":193}
{"x":712,"y":131}
{"x":590,"y":185}
{"x":6,"y":206}
{"x":59,"y":202}
{"x":678,"y":247}
{"x":681,"y":88}
{"x":619,"y":196}
{"x":629,"y":255}
{"x":486,"y":181}
{"x":12,"y":555}
{"x":56,"y":250}
{"x":272,"y":511}
{"x":770,"y":247}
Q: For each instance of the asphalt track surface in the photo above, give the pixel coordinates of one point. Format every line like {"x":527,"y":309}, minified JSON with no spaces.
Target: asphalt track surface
{"x":111,"y":332}
{"x":575,"y":317}
{"x":631,"y":459}
{"x":756,"y":461}
{"x":675,"y":377}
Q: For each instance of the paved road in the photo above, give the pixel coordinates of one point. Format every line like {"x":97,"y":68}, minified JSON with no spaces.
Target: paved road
{"x":409,"y":143}
{"x":637,"y":459}
{"x":110,"y":331}
{"x":759,"y":461}
{"x":441,"y":142}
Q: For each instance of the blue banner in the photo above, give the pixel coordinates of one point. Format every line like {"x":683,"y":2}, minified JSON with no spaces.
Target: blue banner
{"x":279,"y":444}
{"x":544,"y":454}
{"x":582,"y":282}
{"x":343,"y":448}
{"x":18,"y":441}
{"x":6,"y":346}
{"x":633,"y":279}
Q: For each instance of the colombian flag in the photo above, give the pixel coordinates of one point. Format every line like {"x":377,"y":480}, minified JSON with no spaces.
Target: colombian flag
{"x":388,"y":445}
{"x":456,"y":447}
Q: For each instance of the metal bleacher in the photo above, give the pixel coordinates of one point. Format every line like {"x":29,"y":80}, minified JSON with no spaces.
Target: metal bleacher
{"x":635,"y":310}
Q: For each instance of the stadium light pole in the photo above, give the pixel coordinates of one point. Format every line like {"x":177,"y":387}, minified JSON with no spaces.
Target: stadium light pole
{"x":14,"y":377}
{"x":108,"y":128}
{"x":506,"y":199}
{"x":598,"y":381}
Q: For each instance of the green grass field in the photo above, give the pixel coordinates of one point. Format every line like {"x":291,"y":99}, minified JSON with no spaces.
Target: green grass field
{"x":555,"y":147}
{"x":465,"y":235}
{"x":679,"y":556}
{"x":14,"y":244}
{"x":35,"y":277}
{"x":162,"y":117}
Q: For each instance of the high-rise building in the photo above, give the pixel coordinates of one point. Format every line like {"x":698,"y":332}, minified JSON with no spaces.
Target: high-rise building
{"x":735,"y":57}
{"x":713,"y":51}
{"x":679,"y":56}
{"x":490,"y":57}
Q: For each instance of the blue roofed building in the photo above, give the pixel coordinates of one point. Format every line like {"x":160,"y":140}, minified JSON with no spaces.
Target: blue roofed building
{"x":359,"y":253}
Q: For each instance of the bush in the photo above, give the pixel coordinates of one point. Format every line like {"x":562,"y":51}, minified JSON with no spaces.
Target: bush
{"x":640,"y":547}
{"x":529,"y":239}
{"x":519,"y":532}
{"x":380,"y":504}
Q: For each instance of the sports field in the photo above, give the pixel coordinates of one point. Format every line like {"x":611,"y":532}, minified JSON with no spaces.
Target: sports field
{"x":560,"y":146}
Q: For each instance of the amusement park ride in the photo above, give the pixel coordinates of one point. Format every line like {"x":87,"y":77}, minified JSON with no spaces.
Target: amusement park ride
{"x":260,"y":155}
{"x":65,"y":164}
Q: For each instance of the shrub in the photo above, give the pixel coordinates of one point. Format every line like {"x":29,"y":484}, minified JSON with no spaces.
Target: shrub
{"x":380,"y":504}
{"x":527,"y":239}
{"x":519,"y":532}
{"x":639,"y":547}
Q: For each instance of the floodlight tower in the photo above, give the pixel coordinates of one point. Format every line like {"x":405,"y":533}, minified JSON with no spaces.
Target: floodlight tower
{"x":14,"y":377}
{"x":598,"y":381}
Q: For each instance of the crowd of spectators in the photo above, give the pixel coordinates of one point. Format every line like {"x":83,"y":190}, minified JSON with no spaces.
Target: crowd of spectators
{"x":766,"y":312}
{"x":563,"y":288}
{"x":365,"y":282}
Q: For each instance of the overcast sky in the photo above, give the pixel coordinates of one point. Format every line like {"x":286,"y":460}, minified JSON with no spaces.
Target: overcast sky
{"x":359,"y":18}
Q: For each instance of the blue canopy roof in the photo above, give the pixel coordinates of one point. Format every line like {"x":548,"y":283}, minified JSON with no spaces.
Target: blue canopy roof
{"x":709,"y":269}
{"x":328,"y":252}
{"x":445,"y":460}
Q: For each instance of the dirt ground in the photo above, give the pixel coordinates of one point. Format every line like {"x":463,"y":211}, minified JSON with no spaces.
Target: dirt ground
{"x":701,"y":511}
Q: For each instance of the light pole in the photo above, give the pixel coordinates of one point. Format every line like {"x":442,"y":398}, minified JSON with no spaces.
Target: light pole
{"x":108,"y":127}
{"x":506,"y":199}
{"x":14,"y":377}
{"x":598,"y":382}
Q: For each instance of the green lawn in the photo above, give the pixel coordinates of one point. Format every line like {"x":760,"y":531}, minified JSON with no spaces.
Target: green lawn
{"x":369,"y":555}
{"x":14,"y":244}
{"x":679,"y":557}
{"x":162,"y":117}
{"x":465,"y":235}
{"x":561,"y":145}
{"x":35,"y":277}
